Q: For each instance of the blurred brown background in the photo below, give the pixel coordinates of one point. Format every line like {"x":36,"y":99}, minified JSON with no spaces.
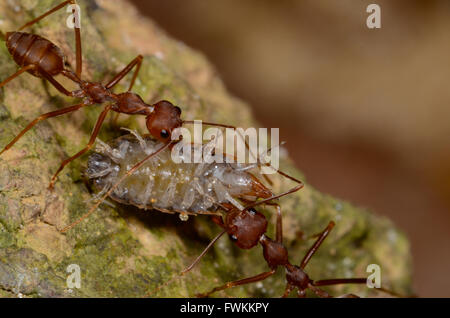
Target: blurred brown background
{"x":365,"y":112}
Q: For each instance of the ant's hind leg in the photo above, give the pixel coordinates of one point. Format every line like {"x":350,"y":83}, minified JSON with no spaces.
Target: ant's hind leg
{"x":57,"y":85}
{"x":244,"y":281}
{"x":252,"y":155}
{"x":19,"y":72}
{"x":40,"y":118}
{"x":45,"y":75}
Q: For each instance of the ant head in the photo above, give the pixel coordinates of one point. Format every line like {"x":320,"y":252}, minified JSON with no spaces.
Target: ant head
{"x":245,"y":228}
{"x":163,"y":120}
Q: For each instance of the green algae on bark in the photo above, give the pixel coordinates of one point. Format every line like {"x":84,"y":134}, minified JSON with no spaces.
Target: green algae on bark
{"x":123,"y":251}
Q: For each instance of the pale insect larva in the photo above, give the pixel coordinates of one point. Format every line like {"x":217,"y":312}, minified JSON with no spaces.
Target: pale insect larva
{"x":162,"y":184}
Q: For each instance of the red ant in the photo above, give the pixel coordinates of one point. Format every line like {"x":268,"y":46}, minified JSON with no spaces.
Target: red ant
{"x":42,"y":58}
{"x":247,"y":228}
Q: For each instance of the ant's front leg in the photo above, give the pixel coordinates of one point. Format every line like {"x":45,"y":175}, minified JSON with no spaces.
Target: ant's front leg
{"x":244,"y":281}
{"x":97,"y":127}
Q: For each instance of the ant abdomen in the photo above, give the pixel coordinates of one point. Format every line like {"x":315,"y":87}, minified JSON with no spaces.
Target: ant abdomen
{"x":31,"y":49}
{"x":162,"y":184}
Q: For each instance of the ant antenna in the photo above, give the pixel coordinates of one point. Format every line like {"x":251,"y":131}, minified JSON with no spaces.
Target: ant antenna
{"x":264,"y":201}
{"x":259,"y":163}
{"x":240,"y":135}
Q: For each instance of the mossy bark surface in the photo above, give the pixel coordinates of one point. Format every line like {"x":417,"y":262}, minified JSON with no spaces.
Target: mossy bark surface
{"x":123,"y":251}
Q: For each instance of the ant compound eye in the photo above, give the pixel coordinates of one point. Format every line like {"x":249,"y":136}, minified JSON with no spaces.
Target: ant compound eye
{"x":233,"y":238}
{"x":164,"y":134}
{"x":178,"y":109}
{"x":252,"y":211}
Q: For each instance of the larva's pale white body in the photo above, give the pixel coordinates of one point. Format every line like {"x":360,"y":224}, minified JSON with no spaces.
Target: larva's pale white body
{"x":162,"y":184}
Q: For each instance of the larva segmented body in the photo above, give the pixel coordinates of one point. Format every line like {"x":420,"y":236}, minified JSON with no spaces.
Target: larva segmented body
{"x":162,"y":184}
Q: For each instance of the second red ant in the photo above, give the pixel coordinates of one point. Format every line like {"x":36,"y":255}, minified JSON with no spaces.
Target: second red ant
{"x":247,"y":228}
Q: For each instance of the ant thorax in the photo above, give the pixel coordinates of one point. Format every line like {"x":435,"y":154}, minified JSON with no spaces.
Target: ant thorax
{"x":165,"y":185}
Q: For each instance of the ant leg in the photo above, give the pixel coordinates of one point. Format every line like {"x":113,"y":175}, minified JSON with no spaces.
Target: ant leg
{"x":103,"y":198}
{"x":316,"y":245}
{"x":137,"y":61}
{"x":279,"y":234}
{"x":43,"y":117}
{"x":265,"y":201}
{"x":301,"y":185}
{"x":279,"y":226}
{"x":319,"y":292}
{"x":56,"y":84}
{"x":327,"y":282}
{"x":295,"y":189}
{"x":244,"y":281}
{"x":78,"y":49}
{"x":47,"y":76}
{"x":339,"y":281}
{"x":22,"y":70}
{"x":58,"y":7}
{"x":240,"y":135}
{"x":76,"y":28}
{"x":190,"y":267}
{"x":97,"y":127}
